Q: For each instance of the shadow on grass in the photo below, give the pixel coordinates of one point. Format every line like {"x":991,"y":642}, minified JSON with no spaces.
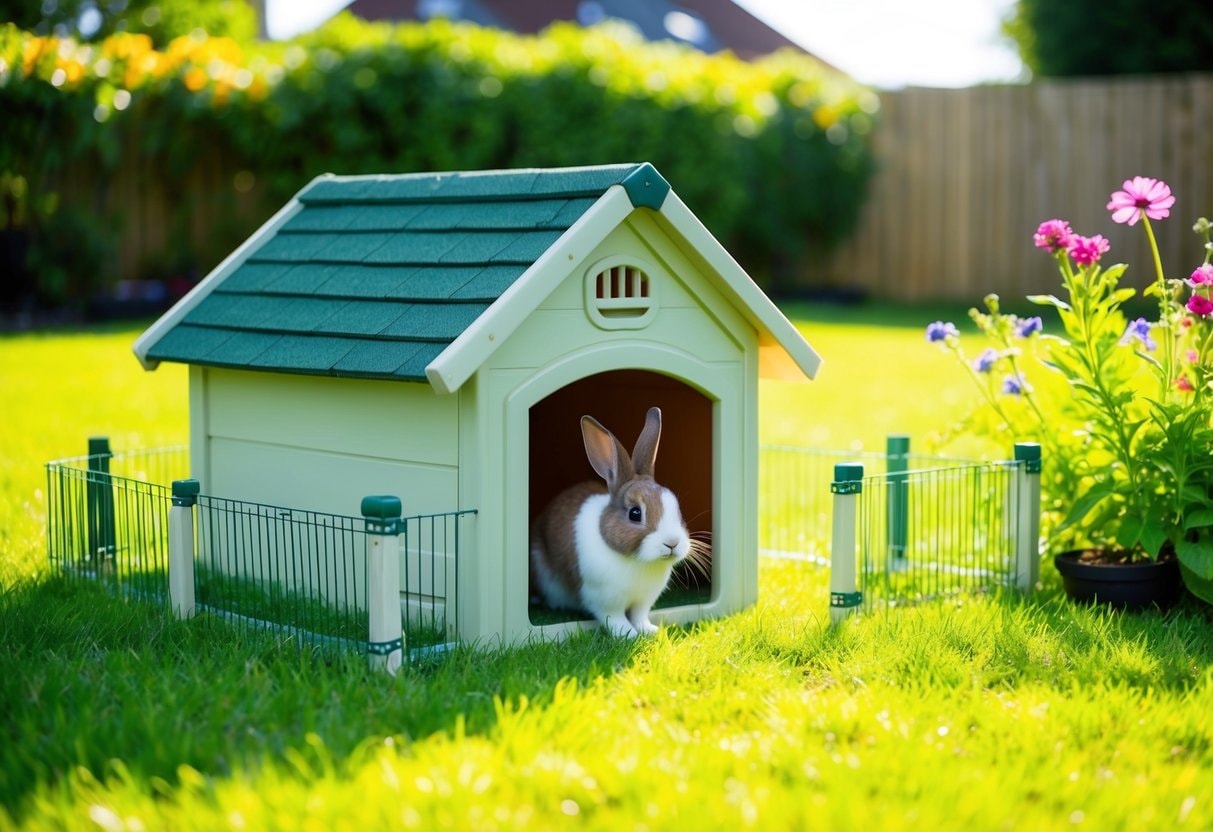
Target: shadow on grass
{"x":87,"y":678}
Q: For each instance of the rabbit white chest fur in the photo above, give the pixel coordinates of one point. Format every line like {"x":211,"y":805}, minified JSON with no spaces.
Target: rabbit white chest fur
{"x":621,"y":589}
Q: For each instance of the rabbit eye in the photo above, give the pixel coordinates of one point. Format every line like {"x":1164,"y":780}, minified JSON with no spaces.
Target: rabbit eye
{"x":635,"y":514}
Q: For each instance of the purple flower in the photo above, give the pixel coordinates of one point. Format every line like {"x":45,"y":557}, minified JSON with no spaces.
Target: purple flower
{"x":1054,"y":235}
{"x":1026,"y":326}
{"x":940,"y":331}
{"x":1088,"y":250}
{"x":985,"y":362}
{"x":1139,"y":330}
{"x":1203,"y":276}
{"x":1013,"y":385}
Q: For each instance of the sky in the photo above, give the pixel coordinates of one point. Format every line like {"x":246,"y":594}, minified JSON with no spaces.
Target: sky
{"x":882,"y":43}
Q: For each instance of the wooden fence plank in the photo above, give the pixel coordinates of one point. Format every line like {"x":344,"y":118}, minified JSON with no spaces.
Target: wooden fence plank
{"x":965,"y":176}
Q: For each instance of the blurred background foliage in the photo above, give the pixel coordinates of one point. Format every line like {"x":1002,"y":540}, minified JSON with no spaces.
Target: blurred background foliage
{"x":1112,"y":37}
{"x":161,"y":20}
{"x":772,"y":155}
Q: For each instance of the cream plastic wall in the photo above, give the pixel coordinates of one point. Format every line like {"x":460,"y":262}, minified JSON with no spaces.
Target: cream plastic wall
{"x":695,"y":337}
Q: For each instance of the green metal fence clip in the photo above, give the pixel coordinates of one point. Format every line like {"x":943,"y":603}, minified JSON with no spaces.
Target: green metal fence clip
{"x":384,"y":648}
{"x":848,"y":478}
{"x":1029,"y":454}
{"x":846,"y":599}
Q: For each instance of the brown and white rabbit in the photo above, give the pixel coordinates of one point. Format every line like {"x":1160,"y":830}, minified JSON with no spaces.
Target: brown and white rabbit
{"x":610,"y":551}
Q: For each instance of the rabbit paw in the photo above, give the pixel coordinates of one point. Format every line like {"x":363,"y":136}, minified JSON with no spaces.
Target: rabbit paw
{"x":618,"y":625}
{"x":640,"y":620}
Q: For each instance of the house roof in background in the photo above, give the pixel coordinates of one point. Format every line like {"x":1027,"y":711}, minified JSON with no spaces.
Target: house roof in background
{"x":708,"y":25}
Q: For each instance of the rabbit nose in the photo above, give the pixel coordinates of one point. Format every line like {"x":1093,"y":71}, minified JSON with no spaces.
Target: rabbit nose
{"x":671,"y":545}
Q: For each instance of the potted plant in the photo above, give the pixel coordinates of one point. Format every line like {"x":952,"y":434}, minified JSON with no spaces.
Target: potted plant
{"x":1121,"y":407}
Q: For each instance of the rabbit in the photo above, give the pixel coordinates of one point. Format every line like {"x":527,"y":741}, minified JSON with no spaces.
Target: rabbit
{"x":609,"y":551}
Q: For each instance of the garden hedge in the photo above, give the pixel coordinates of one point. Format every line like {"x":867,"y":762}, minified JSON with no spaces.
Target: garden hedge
{"x":771,"y":155}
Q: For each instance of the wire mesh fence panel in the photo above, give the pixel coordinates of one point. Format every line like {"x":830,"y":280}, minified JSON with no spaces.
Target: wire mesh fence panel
{"x":302,"y":575}
{"x":103,"y":524}
{"x":430,"y":576}
{"x":936,"y":532}
{"x":296,"y":575}
{"x":795,"y":508}
{"x":925,"y":526}
{"x":292,"y":575}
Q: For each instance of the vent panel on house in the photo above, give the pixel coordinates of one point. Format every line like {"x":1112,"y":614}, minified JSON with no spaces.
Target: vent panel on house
{"x":620,"y":296}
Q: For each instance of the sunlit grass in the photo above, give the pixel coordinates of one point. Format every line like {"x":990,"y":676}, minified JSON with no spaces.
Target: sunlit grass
{"x":988,"y":712}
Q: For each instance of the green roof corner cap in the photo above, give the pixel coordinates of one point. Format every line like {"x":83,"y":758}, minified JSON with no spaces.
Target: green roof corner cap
{"x":646,"y":187}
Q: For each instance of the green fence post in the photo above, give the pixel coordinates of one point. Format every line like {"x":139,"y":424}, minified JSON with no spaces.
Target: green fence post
{"x":897,"y":462}
{"x":385,"y":642}
{"x":181,"y":548}
{"x":1027,"y":515}
{"x":845,"y":595}
{"x":102,"y":542}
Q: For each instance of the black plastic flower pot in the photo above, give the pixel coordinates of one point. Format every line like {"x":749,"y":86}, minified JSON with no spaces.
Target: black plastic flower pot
{"x":1123,"y":585}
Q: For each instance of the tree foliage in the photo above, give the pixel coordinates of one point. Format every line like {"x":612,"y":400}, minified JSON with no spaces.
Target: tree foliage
{"x":161,"y":20}
{"x":1112,"y":37}
{"x":772,"y":156}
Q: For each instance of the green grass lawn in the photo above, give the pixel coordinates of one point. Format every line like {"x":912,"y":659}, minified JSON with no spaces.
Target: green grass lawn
{"x":992,"y":712}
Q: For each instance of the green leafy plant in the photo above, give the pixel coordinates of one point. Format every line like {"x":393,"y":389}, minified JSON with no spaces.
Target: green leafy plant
{"x":1128,"y":431}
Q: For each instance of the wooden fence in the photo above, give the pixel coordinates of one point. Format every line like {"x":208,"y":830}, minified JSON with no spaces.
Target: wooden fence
{"x":157,"y":225}
{"x":966,"y":176}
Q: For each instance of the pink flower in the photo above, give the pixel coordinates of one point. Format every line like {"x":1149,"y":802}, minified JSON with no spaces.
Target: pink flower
{"x":1183,"y":385}
{"x":1054,"y":235}
{"x":1200,"y":305}
{"x":1203,"y":276}
{"x":1087,"y":250}
{"x":1141,"y":196}
{"x":1192,"y":355}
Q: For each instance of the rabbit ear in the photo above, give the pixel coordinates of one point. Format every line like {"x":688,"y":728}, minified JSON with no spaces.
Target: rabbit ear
{"x":645,"y":453}
{"x":608,"y":457}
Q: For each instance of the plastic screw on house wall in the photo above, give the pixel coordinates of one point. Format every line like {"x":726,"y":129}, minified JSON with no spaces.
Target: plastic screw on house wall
{"x":845,"y":596}
{"x":181,"y":548}
{"x":1027,"y":502}
{"x":385,"y":642}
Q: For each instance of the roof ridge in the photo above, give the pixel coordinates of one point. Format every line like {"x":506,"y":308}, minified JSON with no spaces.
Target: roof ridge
{"x":478,"y":186}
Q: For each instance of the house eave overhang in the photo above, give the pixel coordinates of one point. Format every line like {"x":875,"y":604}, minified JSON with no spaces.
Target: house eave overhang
{"x":144,"y":343}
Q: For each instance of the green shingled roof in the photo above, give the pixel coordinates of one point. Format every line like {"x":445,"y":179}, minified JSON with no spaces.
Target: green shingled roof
{"x":374,"y":276}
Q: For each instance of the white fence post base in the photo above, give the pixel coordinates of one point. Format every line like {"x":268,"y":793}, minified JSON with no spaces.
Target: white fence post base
{"x":845,"y":597}
{"x":181,"y":548}
{"x":385,"y":642}
{"x":1027,"y":520}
